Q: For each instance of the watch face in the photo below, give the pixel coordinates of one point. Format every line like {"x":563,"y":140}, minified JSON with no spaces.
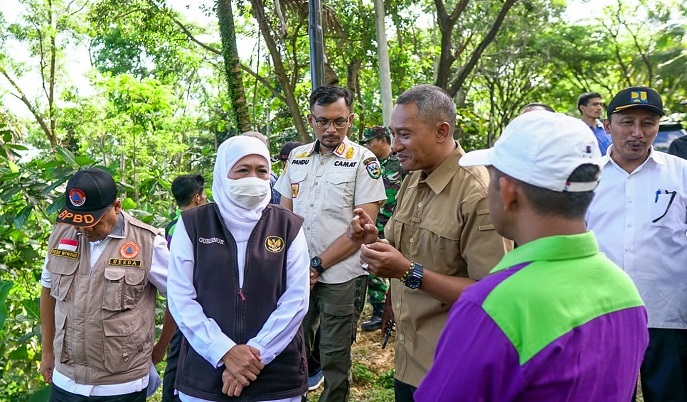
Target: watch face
{"x":414,"y":279}
{"x":413,"y":282}
{"x":316,"y":261}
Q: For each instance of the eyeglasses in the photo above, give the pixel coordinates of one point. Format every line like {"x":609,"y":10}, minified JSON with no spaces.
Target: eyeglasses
{"x":338,"y":123}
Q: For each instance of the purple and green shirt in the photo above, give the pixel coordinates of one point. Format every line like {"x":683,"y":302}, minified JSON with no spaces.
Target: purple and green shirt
{"x":554,"y":321}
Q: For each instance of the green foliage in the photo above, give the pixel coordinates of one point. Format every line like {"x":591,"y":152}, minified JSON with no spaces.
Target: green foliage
{"x":155,"y":103}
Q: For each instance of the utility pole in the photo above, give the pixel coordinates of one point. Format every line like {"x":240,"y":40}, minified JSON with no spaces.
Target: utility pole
{"x":384,"y":69}
{"x":316,"y":43}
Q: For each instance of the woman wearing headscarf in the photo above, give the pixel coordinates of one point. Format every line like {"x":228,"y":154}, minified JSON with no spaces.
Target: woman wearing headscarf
{"x":238,"y":286}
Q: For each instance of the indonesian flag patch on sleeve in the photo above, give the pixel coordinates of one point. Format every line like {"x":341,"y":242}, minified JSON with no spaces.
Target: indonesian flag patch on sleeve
{"x":68,"y":244}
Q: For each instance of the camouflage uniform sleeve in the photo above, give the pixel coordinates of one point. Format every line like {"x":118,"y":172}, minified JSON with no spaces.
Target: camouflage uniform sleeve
{"x":392,"y":175}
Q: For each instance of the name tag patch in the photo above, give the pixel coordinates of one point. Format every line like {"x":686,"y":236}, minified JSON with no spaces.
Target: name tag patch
{"x":210,"y":240}
{"x":345,"y":164}
{"x":65,"y":253}
{"x":126,"y":263}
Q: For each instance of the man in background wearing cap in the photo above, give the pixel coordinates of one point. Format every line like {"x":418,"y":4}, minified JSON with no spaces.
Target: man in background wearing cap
{"x":378,"y":140}
{"x":556,"y":320}
{"x":98,"y":296}
{"x":440,"y":239}
{"x":282,"y":157}
{"x":591,"y":106}
{"x":639,"y":215}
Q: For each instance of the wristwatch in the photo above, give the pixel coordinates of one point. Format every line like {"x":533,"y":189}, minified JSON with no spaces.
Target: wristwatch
{"x":316,"y":263}
{"x":414,"y":278}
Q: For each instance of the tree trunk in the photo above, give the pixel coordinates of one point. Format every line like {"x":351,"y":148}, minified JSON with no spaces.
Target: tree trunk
{"x":384,"y":69}
{"x":232,"y":66}
{"x":279,"y":70}
{"x":447,"y":57}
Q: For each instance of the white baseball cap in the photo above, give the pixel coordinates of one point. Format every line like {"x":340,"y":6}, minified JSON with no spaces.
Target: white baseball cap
{"x":542,"y":149}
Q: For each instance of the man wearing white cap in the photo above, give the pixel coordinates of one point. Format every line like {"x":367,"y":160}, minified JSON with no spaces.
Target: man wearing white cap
{"x":640,"y":217}
{"x":555,"y":320}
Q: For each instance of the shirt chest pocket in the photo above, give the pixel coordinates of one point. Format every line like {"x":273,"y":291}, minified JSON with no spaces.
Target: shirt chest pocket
{"x":339,"y":193}
{"x":62,"y":272}
{"x":123,"y":287}
{"x":667,"y":210}
{"x":297,"y":189}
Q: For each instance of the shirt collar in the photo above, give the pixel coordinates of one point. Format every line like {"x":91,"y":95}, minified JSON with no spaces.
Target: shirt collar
{"x":340,"y":150}
{"x":552,"y":248}
{"x":655,"y":156}
{"x":441,"y":176}
{"x":118,"y":230}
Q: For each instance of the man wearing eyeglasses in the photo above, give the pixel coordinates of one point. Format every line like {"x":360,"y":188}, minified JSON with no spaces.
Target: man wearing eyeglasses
{"x":324,"y":181}
{"x":639,"y":215}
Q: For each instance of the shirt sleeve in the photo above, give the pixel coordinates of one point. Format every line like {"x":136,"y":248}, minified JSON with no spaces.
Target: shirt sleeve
{"x":282,"y":325}
{"x":45,"y":281}
{"x":481,"y":246}
{"x":203,"y":333}
{"x":159,"y":265}
{"x":283,"y":184}
{"x":473,"y":362}
{"x":368,"y":188}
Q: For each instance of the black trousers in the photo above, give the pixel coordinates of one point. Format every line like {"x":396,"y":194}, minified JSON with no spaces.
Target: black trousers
{"x":664,"y":369}
{"x":170,"y":374}
{"x":403,"y":392}
{"x":57,"y":394}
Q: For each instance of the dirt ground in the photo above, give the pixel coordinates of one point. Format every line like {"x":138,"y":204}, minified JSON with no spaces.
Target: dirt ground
{"x":371,"y":365}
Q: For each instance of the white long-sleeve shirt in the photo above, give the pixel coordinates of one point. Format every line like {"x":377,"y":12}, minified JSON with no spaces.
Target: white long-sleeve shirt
{"x":640,"y":221}
{"x":204,"y":334}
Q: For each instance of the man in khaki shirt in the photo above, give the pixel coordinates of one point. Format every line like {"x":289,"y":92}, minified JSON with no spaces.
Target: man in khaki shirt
{"x":440,"y":238}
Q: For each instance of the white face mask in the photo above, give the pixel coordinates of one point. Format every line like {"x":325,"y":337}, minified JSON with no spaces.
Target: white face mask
{"x":248,"y":192}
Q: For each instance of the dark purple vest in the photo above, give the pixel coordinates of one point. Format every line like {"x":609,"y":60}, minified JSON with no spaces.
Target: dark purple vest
{"x":241,"y":312}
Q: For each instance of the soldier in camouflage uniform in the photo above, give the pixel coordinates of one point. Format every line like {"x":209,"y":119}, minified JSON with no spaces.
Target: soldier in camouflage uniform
{"x":378,"y":140}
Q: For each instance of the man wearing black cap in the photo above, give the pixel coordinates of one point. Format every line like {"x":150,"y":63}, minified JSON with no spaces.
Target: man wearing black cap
{"x":98,"y":296}
{"x":639,"y":215}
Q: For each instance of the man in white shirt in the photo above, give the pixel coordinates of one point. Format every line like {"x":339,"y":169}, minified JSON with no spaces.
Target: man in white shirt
{"x":639,"y":215}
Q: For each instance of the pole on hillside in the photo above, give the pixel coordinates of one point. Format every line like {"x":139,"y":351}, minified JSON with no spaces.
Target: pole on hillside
{"x":384,"y":69}
{"x":316,"y":43}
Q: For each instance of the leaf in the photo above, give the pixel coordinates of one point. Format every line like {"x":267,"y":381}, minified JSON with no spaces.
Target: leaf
{"x":17,"y":147}
{"x":128,"y":203}
{"x":67,"y":156}
{"x":42,"y":395}
{"x":9,"y":193}
{"x":56,"y":205}
{"x":19,"y":353}
{"x":84,"y":160}
{"x":32,"y":307}
{"x":54,"y":185}
{"x":22,"y":216}
{"x":5,"y":288}
{"x":13,"y":167}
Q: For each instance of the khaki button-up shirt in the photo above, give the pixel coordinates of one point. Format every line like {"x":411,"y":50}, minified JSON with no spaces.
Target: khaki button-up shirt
{"x":442,"y":222}
{"x":324,"y":190}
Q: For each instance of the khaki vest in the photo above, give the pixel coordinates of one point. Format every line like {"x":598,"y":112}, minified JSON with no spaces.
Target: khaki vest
{"x":104,"y":317}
